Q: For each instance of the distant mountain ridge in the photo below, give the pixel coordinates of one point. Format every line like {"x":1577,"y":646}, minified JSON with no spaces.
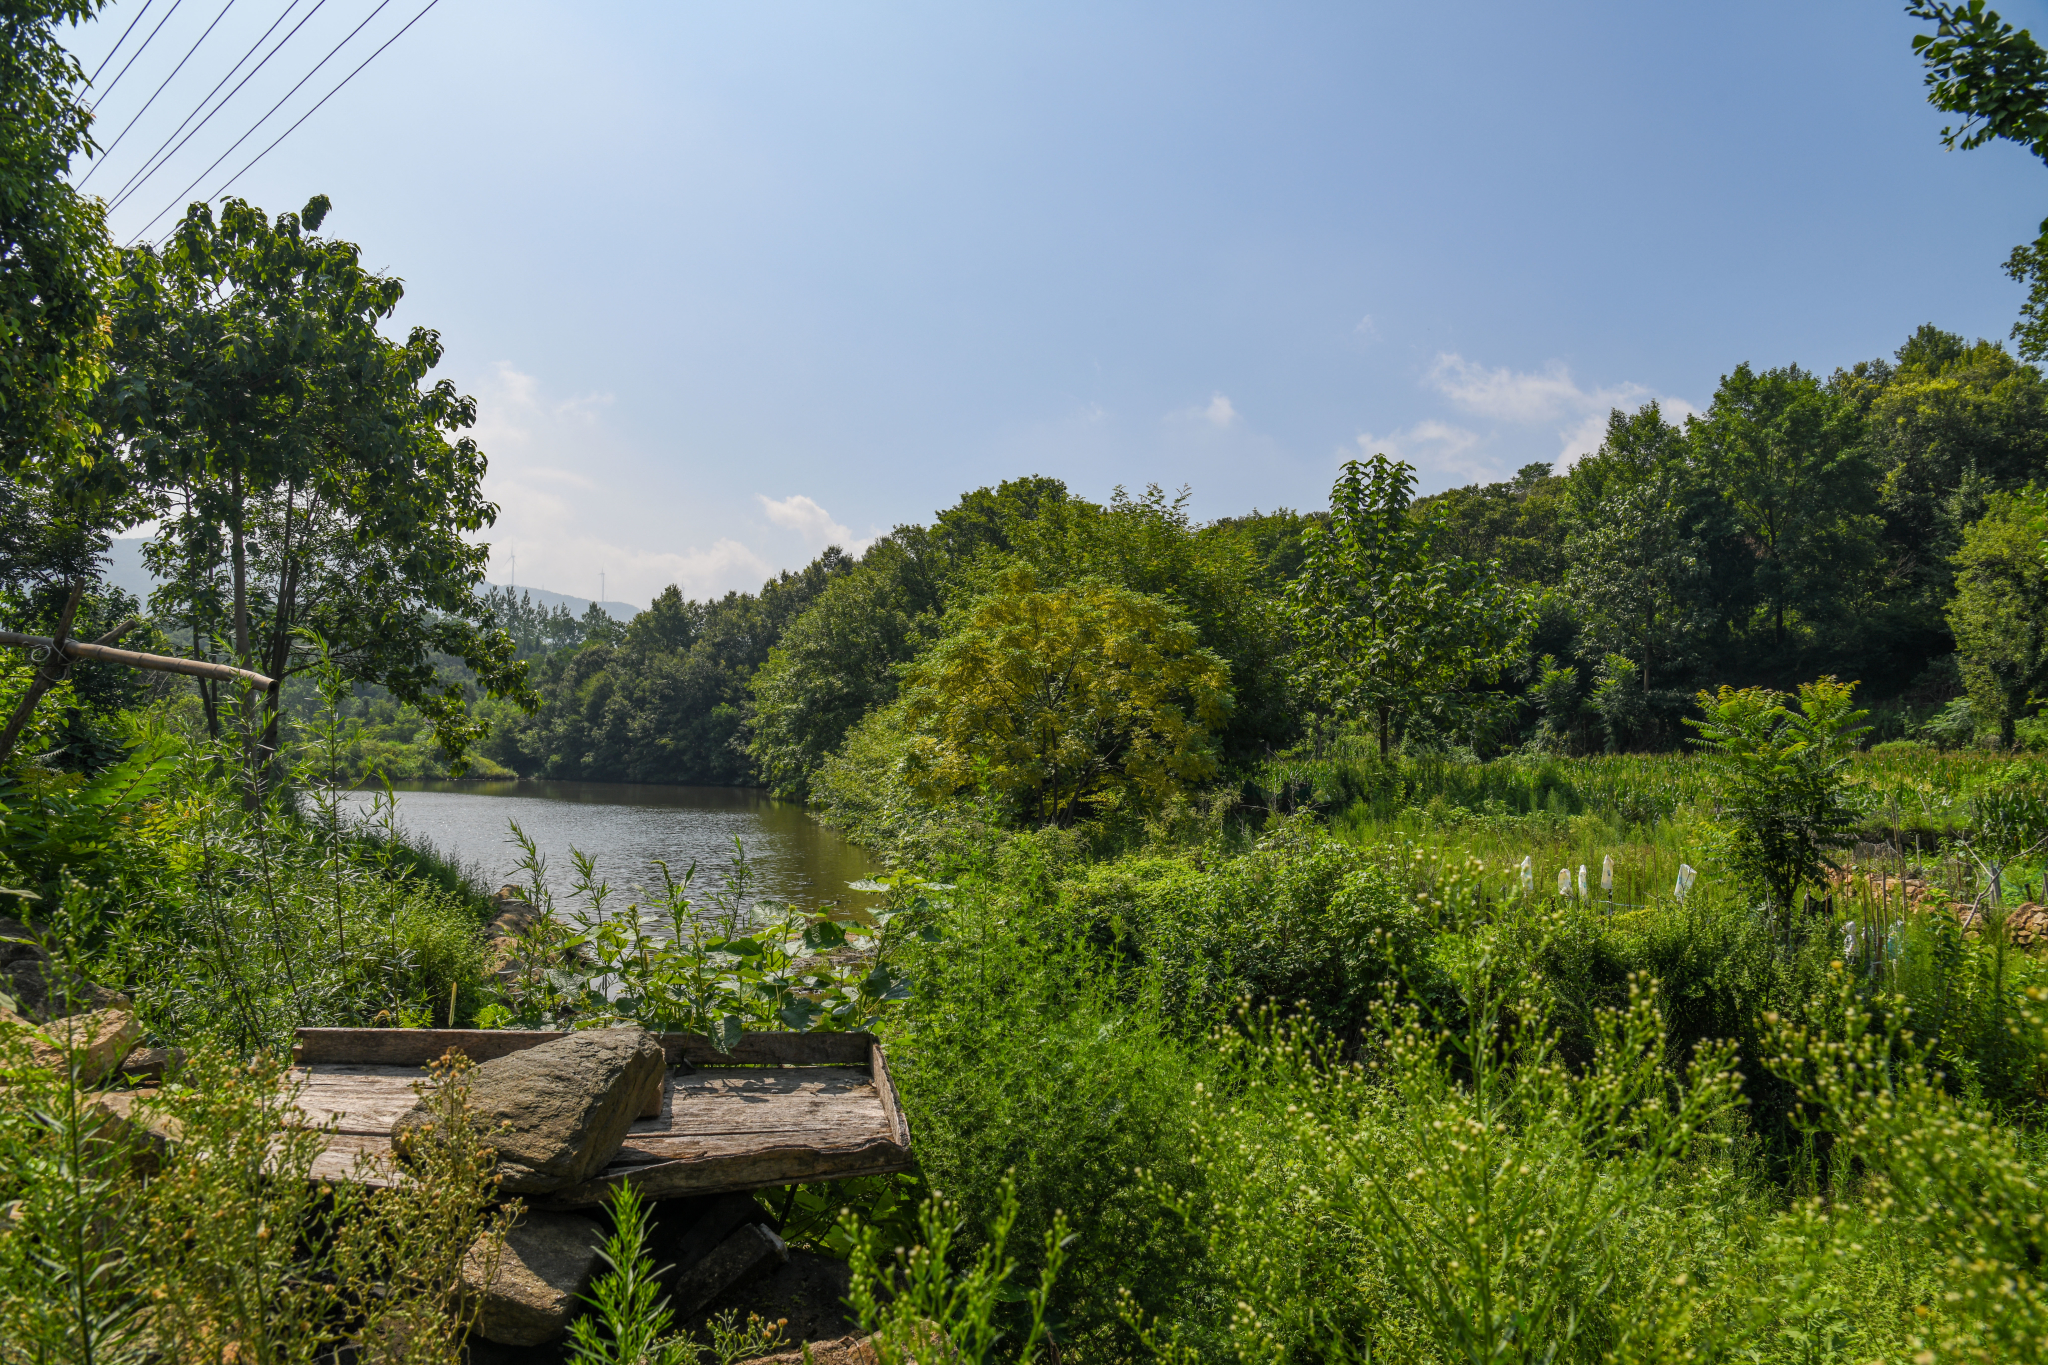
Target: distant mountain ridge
{"x":125,"y":569}
{"x":618,"y":611}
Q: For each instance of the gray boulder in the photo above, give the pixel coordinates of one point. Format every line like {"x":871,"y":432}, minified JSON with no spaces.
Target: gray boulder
{"x":557,"y":1113}
{"x":747,"y":1252}
{"x":42,"y":990}
{"x":544,"y":1268}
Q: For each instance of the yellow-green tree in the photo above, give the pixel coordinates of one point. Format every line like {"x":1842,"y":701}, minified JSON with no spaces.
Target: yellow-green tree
{"x":2000,"y":611}
{"x":1058,"y":698}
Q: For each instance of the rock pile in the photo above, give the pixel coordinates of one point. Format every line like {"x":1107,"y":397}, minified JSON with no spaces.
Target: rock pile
{"x":565,"y":1105}
{"x":67,"y":1020}
{"x":560,"y":1111}
{"x":42,"y":990}
{"x":2026,"y":926}
{"x":511,"y":917}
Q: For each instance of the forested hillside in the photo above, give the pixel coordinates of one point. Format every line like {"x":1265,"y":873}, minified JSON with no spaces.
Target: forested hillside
{"x":1802,"y":525}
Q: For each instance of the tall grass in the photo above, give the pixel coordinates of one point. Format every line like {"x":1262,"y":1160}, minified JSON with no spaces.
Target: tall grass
{"x":1910,"y":790}
{"x":1293,"y":1076}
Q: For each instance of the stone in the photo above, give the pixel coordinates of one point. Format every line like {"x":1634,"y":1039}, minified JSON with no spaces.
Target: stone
{"x":153,"y":1064}
{"x":806,"y":1296}
{"x":681,"y":1237}
{"x":94,"y":1043}
{"x":41,"y":990}
{"x":512,"y":916}
{"x":749,"y":1251}
{"x":656,"y":1093}
{"x":557,"y":1113}
{"x":120,"y":1120}
{"x":543,"y":1270}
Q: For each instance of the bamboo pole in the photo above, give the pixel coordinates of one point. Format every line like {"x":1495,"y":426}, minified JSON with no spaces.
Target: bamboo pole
{"x":161,"y":663}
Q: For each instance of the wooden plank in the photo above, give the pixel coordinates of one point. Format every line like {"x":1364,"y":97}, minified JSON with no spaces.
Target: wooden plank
{"x":770,"y":1049}
{"x":359,"y":1099}
{"x":779,"y":1109}
{"x":753,"y":1170}
{"x":885,"y":1090}
{"x":368,"y":1099}
{"x":412,"y":1046}
{"x":358,"y":1159}
{"x":419,"y":1046}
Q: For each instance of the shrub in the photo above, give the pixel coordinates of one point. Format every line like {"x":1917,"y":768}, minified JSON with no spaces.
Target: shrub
{"x":1781,"y":780}
{"x":1020,"y":1060}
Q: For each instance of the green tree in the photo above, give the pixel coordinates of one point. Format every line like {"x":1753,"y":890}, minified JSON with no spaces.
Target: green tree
{"x":664,"y":699}
{"x":1996,"y":77}
{"x":1148,"y":544}
{"x":305,"y":476}
{"x":2000,"y":611}
{"x":1779,"y":779}
{"x":1064,"y":697}
{"x":839,"y":660}
{"x":1947,"y":425}
{"x":1636,"y":561}
{"x":1385,"y":624}
{"x":1786,"y":455}
{"x":53,"y":250}
{"x":1519,"y":522}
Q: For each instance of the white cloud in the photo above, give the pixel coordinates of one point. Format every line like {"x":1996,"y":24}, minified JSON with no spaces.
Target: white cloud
{"x":799,"y":514}
{"x":1529,"y":398}
{"x":1512,"y":396}
{"x":1429,"y":445}
{"x":561,"y":518}
{"x":1218,"y":414}
{"x":1365,"y":328}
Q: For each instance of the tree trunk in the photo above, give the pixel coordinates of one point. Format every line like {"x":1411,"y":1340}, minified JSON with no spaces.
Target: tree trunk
{"x":280,"y":654}
{"x":1386,"y":725}
{"x":45,"y":677}
{"x":238,"y":559}
{"x":206,"y":696}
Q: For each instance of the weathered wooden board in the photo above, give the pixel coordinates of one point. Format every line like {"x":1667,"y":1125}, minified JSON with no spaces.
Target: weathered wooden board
{"x":419,"y":1046}
{"x":779,"y":1108}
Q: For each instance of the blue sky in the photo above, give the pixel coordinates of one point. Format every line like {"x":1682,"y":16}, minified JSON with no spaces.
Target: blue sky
{"x":733,"y":281}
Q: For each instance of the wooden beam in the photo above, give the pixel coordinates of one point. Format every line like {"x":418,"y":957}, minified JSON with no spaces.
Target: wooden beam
{"x":159,"y":663}
{"x":419,"y":1046}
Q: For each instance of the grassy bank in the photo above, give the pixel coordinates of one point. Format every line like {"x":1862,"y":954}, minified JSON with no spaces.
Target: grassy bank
{"x":1341,"y":1087}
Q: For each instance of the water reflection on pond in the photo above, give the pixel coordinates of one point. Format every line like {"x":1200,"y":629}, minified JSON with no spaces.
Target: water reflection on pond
{"x":625,"y":827}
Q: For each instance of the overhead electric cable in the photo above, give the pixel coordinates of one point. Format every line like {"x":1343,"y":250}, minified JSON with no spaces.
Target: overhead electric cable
{"x":102,"y":98}
{"x":159,"y":158}
{"x":119,"y":41}
{"x":266,"y":117}
{"x":160,"y":89}
{"x":323,"y":99}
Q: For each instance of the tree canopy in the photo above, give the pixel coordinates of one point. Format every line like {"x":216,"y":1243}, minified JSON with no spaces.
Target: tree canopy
{"x":306,"y":476}
{"x":1384,"y":622}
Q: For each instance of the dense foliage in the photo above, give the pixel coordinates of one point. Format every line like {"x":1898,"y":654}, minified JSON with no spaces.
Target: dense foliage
{"x":1309,"y":935}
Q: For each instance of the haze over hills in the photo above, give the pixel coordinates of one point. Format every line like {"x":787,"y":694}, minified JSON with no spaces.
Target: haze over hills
{"x":620,"y":611}
{"x":125,"y":569}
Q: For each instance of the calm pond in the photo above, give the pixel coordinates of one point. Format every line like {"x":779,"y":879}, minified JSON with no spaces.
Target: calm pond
{"x":625,"y":827}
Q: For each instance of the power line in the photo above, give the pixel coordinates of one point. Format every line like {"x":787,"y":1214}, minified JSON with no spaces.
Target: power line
{"x":160,"y":89}
{"x":159,"y":158}
{"x":324,"y":98}
{"x":138,"y":52}
{"x":266,"y":116}
{"x":119,"y":41}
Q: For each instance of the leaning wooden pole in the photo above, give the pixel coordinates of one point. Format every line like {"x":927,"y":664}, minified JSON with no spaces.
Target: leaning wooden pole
{"x":160,"y":663}
{"x":45,"y":678}
{"x":62,"y":651}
